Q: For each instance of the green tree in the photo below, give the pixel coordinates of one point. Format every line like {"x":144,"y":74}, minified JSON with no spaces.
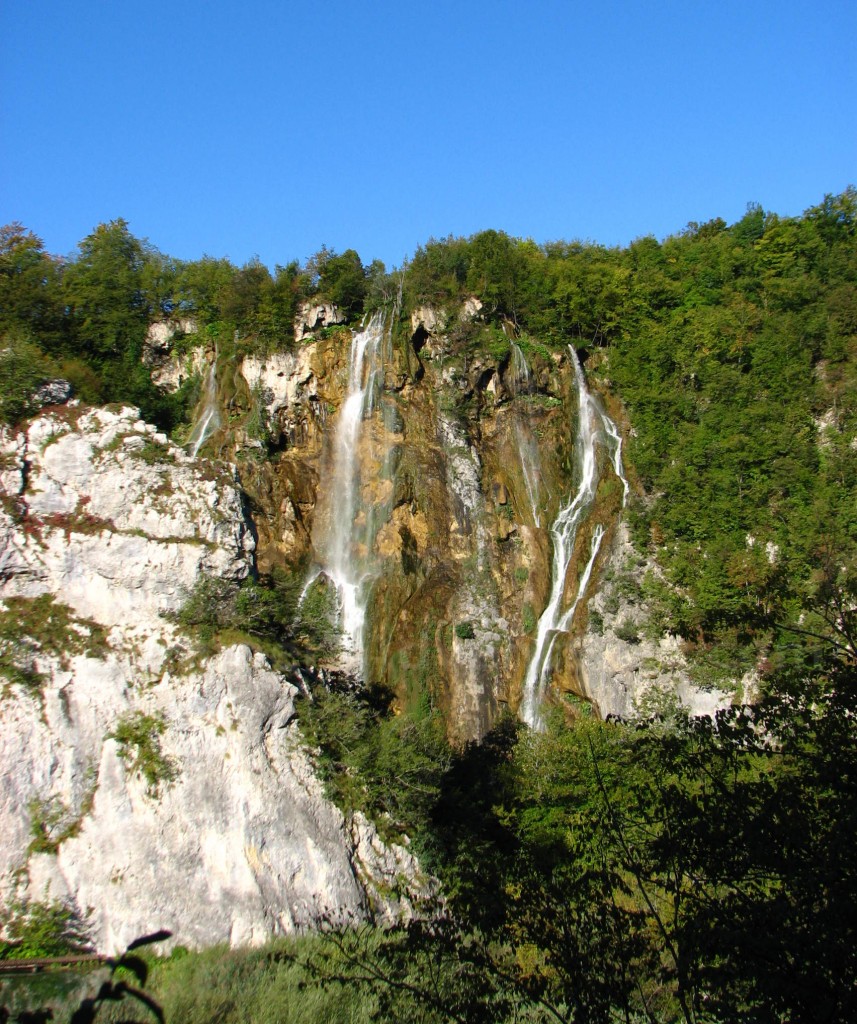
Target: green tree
{"x":103,"y":288}
{"x":30,"y":295}
{"x":342,"y":280}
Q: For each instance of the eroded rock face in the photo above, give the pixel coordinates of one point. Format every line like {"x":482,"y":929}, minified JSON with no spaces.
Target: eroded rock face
{"x":103,"y":510}
{"x":313,"y":316}
{"x":622,"y":671}
{"x":463,"y":462}
{"x":230,"y":837}
{"x":53,"y":392}
{"x":240,"y":845}
{"x":170,"y":368}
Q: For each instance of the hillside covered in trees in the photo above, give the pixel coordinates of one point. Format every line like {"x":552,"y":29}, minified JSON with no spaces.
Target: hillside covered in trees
{"x":658,"y":868}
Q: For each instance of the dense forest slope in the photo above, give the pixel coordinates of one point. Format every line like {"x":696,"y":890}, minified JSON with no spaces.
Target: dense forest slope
{"x":505,"y":482}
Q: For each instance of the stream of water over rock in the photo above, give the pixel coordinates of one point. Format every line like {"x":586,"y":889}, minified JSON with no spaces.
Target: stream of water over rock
{"x":525,"y":439}
{"x":594,"y":427}
{"x":209,"y":416}
{"x":344,"y":540}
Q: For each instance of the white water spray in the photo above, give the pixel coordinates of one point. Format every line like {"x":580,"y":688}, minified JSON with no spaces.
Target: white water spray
{"x":520,"y":371}
{"x":344,"y":547}
{"x":209,"y":416}
{"x":553,"y":620}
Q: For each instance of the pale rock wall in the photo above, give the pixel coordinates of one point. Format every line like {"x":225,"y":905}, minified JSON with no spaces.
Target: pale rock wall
{"x":313,"y":316}
{"x":476,"y":666}
{"x":170,"y":370}
{"x":115,"y":519}
{"x":102,"y":513}
{"x":620,"y":677}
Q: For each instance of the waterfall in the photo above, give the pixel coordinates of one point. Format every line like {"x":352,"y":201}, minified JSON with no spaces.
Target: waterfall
{"x":209,"y":416}
{"x":593,"y":426}
{"x":528,"y":449}
{"x":345,"y":540}
{"x":520,"y":370}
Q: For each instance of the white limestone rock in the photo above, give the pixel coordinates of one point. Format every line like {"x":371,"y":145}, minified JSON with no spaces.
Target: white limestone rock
{"x":621,"y":676}
{"x":114,"y":518}
{"x":431,"y":320}
{"x":160,"y":335}
{"x":116,"y":524}
{"x":170,"y":369}
{"x":283,"y":379}
{"x":313,"y":316}
{"x":240,"y":845}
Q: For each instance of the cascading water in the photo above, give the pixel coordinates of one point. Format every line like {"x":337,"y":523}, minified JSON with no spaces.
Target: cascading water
{"x":593,"y":426}
{"x":345,"y":540}
{"x":209,"y":416}
{"x":520,"y":371}
{"x":528,"y":449}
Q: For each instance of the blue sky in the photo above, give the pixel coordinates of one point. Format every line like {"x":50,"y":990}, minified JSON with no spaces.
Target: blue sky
{"x":270,"y":128}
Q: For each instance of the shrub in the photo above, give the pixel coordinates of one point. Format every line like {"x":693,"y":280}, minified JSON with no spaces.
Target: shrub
{"x":464,"y":630}
{"x":529,"y":618}
{"x":23,"y":367}
{"x":42,"y":929}
{"x":265,"y":612}
{"x":30,"y":626}
{"x":628,"y":631}
{"x":139,"y":739}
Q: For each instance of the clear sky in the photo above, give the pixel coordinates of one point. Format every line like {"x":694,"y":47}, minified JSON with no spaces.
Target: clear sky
{"x":270,"y":127}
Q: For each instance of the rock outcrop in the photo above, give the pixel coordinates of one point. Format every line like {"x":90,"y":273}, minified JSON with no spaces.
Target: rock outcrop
{"x":169,"y":365}
{"x":465,"y":456}
{"x":141,"y":782}
{"x":313,"y":316}
{"x":621,"y":670}
{"x":151,"y":785}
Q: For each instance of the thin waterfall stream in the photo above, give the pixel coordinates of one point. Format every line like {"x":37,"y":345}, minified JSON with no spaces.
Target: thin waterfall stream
{"x":528,"y":449}
{"x":594,"y":427}
{"x":209,"y":417}
{"x":344,"y":542}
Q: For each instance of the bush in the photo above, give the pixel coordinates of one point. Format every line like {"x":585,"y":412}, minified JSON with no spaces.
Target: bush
{"x":265,"y":609}
{"x":464,"y":630}
{"x":529,"y":618}
{"x":628,"y":631}
{"x":42,"y":929}
{"x":139,"y":739}
{"x":23,"y":367}
{"x":30,"y":626}
{"x":389,"y":766}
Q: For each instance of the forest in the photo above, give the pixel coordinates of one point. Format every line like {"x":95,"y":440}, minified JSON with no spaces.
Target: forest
{"x":659,"y":868}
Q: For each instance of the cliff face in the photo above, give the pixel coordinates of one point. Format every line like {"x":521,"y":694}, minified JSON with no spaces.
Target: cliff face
{"x":467,"y":460}
{"x":460,"y":466}
{"x":464,"y":495}
{"x":143,"y":783}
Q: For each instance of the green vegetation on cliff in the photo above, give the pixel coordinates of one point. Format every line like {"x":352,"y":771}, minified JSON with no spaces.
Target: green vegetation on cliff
{"x":662,"y":869}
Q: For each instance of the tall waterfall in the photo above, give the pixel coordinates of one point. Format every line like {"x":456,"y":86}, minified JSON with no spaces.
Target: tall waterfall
{"x":209,"y":416}
{"x":528,"y":448}
{"x":345,"y":542}
{"x":594,"y":427}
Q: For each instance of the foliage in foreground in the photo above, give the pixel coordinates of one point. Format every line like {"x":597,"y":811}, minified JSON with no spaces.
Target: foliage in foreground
{"x":40,"y":930}
{"x":669,"y":870}
{"x":110,"y":988}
